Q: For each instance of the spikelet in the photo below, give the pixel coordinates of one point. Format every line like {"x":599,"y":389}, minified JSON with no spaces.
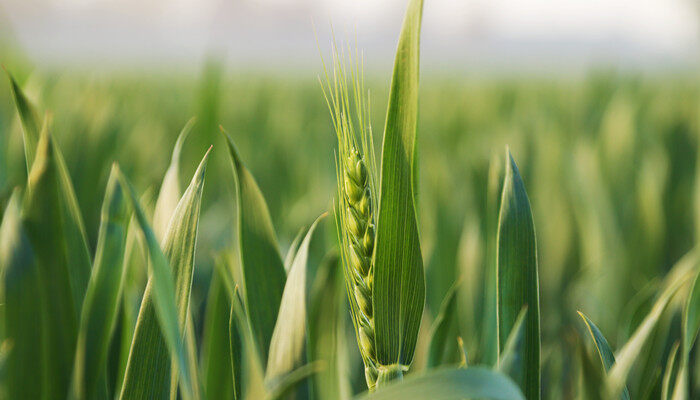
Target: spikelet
{"x":356,"y":205}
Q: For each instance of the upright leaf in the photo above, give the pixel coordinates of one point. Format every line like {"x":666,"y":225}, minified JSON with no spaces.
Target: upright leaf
{"x":327,"y":325}
{"x":44,"y":223}
{"x":451,"y":384}
{"x":148,"y":371}
{"x":398,"y":295}
{"x":24,"y":316}
{"x":216,"y":351}
{"x":169,"y":195}
{"x":262,"y":268}
{"x":30,"y":119}
{"x":288,"y":347}
{"x":670,"y":372}
{"x":607,"y":358}
{"x":681,"y":273}
{"x":512,"y":362}
{"x":73,"y":227}
{"x":102,"y":297}
{"x":518,"y":283}
{"x":444,"y":348}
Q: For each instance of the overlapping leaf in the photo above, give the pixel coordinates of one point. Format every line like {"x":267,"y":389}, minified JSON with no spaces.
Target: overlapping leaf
{"x":451,"y":384}
{"x":101,"y":299}
{"x":23,"y":312}
{"x":603,"y":349}
{"x":288,"y":347}
{"x":72,"y":226}
{"x":444,"y":348}
{"x":166,"y":301}
{"x":262,"y":268}
{"x":44,"y":223}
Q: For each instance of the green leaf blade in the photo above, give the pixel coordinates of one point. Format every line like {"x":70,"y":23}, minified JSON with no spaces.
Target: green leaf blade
{"x":288,"y":347}
{"x":518,"y":282}
{"x":451,"y":384}
{"x":607,"y":357}
{"x":261,"y":263}
{"x":23,"y":314}
{"x":44,"y":222}
{"x":398,"y":295}
{"x":102,"y":297}
{"x":161,"y":322}
{"x":444,"y":348}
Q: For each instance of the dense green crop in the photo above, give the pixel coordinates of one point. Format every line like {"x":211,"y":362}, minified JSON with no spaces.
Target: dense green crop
{"x":444,"y":271}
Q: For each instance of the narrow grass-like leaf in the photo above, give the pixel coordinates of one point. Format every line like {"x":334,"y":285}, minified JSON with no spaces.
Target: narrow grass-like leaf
{"x":24,"y":316}
{"x":327,"y":338}
{"x":261,"y":263}
{"x":166,"y":300}
{"x":691,"y":326}
{"x":607,"y":358}
{"x":494,"y":189}
{"x":681,"y":273}
{"x":670,"y":372}
{"x":691,"y":316}
{"x":72,"y":226}
{"x":592,"y":378}
{"x":102,"y":297}
{"x":518,"y":282}
{"x":293,"y":248}
{"x":216,"y":351}
{"x":248,"y":373}
{"x":285,"y":385}
{"x":512,"y":361}
{"x":444,"y":347}
{"x":398,"y":295}
{"x":451,"y":384}
{"x":235,"y":344}
{"x":169,"y":195}
{"x":44,"y":222}
{"x":288,"y":347}
{"x":30,"y":120}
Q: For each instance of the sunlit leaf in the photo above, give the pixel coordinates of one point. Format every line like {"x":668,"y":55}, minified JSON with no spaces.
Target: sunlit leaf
{"x":398,"y":295}
{"x":161,"y":323}
{"x":288,"y":347}
{"x":518,"y":282}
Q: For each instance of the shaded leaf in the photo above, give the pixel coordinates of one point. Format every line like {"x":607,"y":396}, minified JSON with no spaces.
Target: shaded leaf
{"x":444,"y":347}
{"x":607,"y":358}
{"x":683,"y":271}
{"x":73,"y":228}
{"x":44,"y":223}
{"x":451,"y":384}
{"x":670,"y":372}
{"x":102,"y":297}
{"x":262,"y":268}
{"x":327,"y":338}
{"x":512,"y":361}
{"x":216,"y":348}
{"x":24,"y":316}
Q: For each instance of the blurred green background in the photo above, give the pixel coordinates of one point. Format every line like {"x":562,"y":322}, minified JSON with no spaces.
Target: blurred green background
{"x":609,"y":160}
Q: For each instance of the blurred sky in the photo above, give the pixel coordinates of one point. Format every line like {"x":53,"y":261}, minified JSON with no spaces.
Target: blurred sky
{"x":279,"y":34}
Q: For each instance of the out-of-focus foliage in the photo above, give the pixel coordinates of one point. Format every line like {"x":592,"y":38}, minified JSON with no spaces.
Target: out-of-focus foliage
{"x":609,"y":162}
